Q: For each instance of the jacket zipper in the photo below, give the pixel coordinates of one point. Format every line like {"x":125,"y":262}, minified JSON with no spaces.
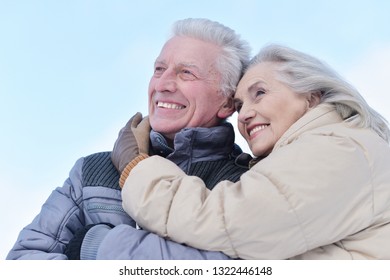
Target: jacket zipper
{"x":114,"y":208}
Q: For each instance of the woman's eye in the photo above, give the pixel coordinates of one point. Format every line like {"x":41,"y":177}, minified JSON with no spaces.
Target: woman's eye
{"x":260,"y":92}
{"x":238,"y":107}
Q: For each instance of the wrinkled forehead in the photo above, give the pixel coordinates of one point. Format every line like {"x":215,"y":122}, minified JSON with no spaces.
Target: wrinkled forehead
{"x":191,"y":51}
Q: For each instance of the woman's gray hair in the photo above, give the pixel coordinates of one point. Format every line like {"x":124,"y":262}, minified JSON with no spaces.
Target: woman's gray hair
{"x":306,"y":74}
{"x":235,"y":52}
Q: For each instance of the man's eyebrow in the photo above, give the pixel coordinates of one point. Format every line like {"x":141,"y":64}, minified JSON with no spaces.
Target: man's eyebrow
{"x":159,"y":62}
{"x":189,"y":65}
{"x":181,"y":64}
{"x":195,"y":69}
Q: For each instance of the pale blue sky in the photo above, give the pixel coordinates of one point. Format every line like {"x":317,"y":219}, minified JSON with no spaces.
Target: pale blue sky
{"x":73,"y":71}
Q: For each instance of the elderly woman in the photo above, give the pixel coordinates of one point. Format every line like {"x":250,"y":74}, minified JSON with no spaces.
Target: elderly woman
{"x":319,"y":187}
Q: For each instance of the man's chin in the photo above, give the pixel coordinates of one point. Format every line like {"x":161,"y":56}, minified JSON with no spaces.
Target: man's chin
{"x":166,"y":128}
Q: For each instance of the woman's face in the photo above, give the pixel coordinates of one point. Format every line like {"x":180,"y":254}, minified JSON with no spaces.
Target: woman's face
{"x":266,"y":108}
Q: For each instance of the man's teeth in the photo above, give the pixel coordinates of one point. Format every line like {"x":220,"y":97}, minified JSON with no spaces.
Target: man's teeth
{"x":257,"y":128}
{"x":169,"y":105}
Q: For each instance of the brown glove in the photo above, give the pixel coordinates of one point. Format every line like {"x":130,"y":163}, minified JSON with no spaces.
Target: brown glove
{"x":133,"y":140}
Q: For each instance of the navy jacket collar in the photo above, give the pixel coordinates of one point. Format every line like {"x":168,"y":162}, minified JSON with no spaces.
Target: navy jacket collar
{"x":197,"y":144}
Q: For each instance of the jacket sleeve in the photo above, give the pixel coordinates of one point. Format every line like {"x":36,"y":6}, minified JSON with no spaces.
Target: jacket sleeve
{"x":124,"y":242}
{"x":47,"y":235}
{"x":277,"y":210}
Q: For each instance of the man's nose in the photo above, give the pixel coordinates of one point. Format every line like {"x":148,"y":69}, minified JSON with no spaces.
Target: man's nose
{"x":167,"y":82}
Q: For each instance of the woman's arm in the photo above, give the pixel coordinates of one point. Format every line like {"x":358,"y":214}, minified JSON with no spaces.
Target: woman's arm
{"x":289,"y":203}
{"x":124,"y":242}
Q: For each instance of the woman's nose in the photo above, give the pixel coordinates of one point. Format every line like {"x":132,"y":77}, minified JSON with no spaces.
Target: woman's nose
{"x":166,"y":82}
{"x":246,"y":114}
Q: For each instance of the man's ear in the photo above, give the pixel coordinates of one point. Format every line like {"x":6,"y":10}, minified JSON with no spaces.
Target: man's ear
{"x":227,"y":109}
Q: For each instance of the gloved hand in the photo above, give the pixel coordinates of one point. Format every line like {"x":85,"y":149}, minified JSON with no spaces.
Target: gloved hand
{"x":73,"y":249}
{"x":133,"y":139}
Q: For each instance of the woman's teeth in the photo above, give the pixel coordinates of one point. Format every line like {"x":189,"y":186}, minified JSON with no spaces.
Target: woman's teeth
{"x":257,"y":128}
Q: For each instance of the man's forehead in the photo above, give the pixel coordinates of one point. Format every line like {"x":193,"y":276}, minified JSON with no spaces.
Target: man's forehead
{"x":188,"y":51}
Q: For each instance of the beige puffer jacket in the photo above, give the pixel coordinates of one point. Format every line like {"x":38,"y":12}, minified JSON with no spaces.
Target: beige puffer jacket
{"x":323,"y":193}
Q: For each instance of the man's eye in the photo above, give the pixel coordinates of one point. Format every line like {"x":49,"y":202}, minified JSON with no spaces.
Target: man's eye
{"x":188,"y":75}
{"x":186,"y":72}
{"x":158,"y":71}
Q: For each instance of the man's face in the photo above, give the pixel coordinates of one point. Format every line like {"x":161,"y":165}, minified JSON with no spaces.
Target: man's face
{"x":184,"y":90}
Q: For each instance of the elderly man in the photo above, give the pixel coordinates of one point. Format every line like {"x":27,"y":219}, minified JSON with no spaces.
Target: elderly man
{"x":190,"y":97}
